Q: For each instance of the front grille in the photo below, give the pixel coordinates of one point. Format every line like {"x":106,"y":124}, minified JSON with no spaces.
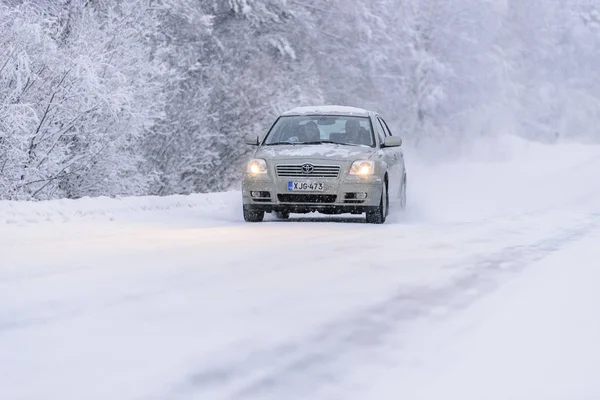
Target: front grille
{"x":307,"y":198}
{"x":318,"y":171}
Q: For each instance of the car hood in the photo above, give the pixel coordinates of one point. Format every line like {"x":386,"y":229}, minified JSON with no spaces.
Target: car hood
{"x":330,"y":151}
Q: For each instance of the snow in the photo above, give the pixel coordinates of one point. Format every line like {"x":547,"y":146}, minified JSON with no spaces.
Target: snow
{"x":508,"y":177}
{"x":16,"y":212}
{"x":328,"y":109}
{"x":485,"y":289}
{"x":326,"y":150}
{"x":534,"y":338}
{"x":539,"y":334}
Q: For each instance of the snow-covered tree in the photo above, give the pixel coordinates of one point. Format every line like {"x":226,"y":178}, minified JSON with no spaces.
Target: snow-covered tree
{"x":553,"y":50}
{"x":228,"y":80}
{"x":155,"y":96}
{"x":77,"y":94}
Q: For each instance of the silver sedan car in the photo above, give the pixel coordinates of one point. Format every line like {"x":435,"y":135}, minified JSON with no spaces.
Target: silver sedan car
{"x":328,"y":159}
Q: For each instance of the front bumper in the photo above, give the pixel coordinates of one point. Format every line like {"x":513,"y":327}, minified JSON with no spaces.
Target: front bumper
{"x":338,"y":197}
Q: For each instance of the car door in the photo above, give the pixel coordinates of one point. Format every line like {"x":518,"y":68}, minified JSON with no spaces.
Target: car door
{"x":390,"y":156}
{"x":398,"y":156}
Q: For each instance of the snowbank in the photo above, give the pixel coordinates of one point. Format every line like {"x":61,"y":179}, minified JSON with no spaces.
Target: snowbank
{"x":16,"y":212}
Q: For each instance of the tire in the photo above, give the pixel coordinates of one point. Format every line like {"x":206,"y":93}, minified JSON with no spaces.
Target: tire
{"x":403,"y":194}
{"x":282,"y":214}
{"x":380,"y":214}
{"x":253,"y":215}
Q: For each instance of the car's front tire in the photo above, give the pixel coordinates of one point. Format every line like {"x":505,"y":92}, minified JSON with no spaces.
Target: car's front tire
{"x":282,"y":214}
{"x":253,"y":215}
{"x":379,"y":215}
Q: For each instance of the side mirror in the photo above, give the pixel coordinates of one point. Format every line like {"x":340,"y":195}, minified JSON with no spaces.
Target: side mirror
{"x":251,"y":140}
{"x":392,"y":141}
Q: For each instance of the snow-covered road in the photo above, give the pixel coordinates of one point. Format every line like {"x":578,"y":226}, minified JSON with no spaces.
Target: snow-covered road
{"x":488,"y":288}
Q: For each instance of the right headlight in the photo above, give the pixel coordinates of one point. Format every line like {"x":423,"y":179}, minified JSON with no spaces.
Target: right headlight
{"x":362,"y":168}
{"x":256,"y":167}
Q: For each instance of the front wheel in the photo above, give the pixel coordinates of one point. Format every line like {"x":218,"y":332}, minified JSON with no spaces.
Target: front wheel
{"x":282,"y":214}
{"x":379,"y":215}
{"x":253,"y":215}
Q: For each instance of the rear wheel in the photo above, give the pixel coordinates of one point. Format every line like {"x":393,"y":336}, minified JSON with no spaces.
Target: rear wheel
{"x":253,"y":215}
{"x":379,"y":215}
{"x":282,"y":214}
{"x":403,"y":194}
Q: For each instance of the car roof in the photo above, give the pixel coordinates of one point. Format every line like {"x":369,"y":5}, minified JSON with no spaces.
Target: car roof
{"x":329,"y":110}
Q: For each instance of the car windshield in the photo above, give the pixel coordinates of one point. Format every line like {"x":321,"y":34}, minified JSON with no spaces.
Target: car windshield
{"x":319,"y":129}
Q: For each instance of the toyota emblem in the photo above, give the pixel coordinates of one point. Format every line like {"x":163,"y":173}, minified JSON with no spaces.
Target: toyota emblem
{"x":307,"y":169}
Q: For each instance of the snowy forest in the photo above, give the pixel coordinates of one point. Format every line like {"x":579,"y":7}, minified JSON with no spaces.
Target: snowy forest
{"x":154,"y":97}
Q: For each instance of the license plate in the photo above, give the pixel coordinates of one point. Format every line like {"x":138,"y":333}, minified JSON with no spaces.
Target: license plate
{"x":306,"y":186}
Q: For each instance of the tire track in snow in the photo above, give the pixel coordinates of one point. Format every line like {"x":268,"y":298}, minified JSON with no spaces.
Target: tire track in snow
{"x":305,"y":366}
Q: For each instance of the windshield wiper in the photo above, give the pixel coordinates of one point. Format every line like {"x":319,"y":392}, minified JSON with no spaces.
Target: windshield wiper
{"x":313,"y":142}
{"x":330,"y":142}
{"x":320,"y":142}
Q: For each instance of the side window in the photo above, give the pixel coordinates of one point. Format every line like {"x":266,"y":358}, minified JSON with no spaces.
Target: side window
{"x":385,"y":127}
{"x":379,"y":131}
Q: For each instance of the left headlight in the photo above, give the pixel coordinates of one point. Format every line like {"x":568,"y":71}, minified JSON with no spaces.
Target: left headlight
{"x":362,"y":168}
{"x":257,"y":166}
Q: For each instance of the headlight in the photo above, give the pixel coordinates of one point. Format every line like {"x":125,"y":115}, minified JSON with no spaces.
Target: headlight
{"x":257,"y":166}
{"x":362,"y":168}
